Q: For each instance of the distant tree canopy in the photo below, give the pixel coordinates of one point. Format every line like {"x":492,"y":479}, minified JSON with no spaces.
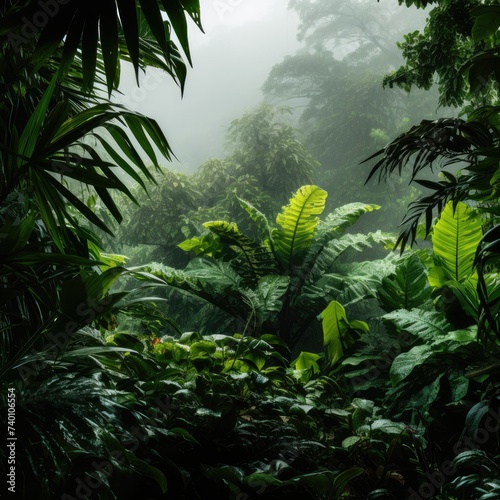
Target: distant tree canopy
{"x":438,"y":52}
{"x":335,"y":81}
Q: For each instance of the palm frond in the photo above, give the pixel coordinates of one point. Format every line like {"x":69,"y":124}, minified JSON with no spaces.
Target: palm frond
{"x":446,"y":139}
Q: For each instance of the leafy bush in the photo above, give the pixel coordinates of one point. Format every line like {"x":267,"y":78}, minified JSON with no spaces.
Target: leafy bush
{"x":281,"y":282}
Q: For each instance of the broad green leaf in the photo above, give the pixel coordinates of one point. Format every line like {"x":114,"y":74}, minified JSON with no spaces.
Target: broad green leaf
{"x":455,"y":239}
{"x":344,"y":217}
{"x":404,"y":364}
{"x":456,"y":337}
{"x":382,"y":429}
{"x":298,"y":222}
{"x":335,"y":325}
{"x":427,"y":325}
{"x":208,"y":244}
{"x":270,"y":289}
{"x":436,"y":277}
{"x":424,"y":398}
{"x":459,"y":385}
{"x":487,"y":21}
{"x":466,"y":293}
{"x":146,"y":469}
{"x":342,"y":480}
{"x":406,"y":288}
{"x":476,"y":415}
{"x":262,"y":479}
{"x":306,"y":361}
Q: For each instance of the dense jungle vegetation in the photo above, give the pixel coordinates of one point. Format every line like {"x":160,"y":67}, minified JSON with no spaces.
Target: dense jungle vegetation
{"x":272,"y":332}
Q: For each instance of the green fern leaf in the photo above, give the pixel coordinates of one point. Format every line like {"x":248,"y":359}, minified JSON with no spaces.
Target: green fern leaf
{"x":257,"y":260}
{"x":344,"y":217}
{"x":455,"y":239}
{"x":424,"y":324}
{"x":406,"y":288}
{"x":298,"y":221}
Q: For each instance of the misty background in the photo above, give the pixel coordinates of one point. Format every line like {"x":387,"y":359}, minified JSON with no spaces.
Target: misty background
{"x":324,"y":61}
{"x":243,"y":39}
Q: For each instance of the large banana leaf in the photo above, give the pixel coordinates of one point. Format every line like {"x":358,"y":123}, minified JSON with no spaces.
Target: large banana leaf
{"x":455,"y":239}
{"x":298,"y":222}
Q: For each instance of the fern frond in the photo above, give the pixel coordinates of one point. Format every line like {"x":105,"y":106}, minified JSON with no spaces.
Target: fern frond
{"x":298,"y":221}
{"x":257,"y":260}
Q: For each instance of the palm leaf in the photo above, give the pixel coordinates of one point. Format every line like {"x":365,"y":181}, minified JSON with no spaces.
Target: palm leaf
{"x":442,"y":139}
{"x":298,"y":222}
{"x":443,"y":142}
{"x":111,"y":27}
{"x":43,"y":150}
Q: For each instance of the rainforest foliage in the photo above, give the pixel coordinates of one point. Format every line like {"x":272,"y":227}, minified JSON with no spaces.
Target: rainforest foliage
{"x":266,"y":339}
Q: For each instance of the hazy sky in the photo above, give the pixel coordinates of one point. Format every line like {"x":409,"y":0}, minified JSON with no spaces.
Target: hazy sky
{"x":243,"y":39}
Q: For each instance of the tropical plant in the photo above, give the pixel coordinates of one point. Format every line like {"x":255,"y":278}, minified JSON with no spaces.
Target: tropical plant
{"x":47,"y":120}
{"x":478,"y":476}
{"x":427,"y":367}
{"x":55,"y":280}
{"x":334,"y":86}
{"x":265,"y":163}
{"x":282,"y":282}
{"x":471,"y":145}
{"x":102,"y":35}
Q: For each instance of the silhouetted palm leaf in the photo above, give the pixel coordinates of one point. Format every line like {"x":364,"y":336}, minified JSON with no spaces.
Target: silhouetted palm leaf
{"x":110,"y":26}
